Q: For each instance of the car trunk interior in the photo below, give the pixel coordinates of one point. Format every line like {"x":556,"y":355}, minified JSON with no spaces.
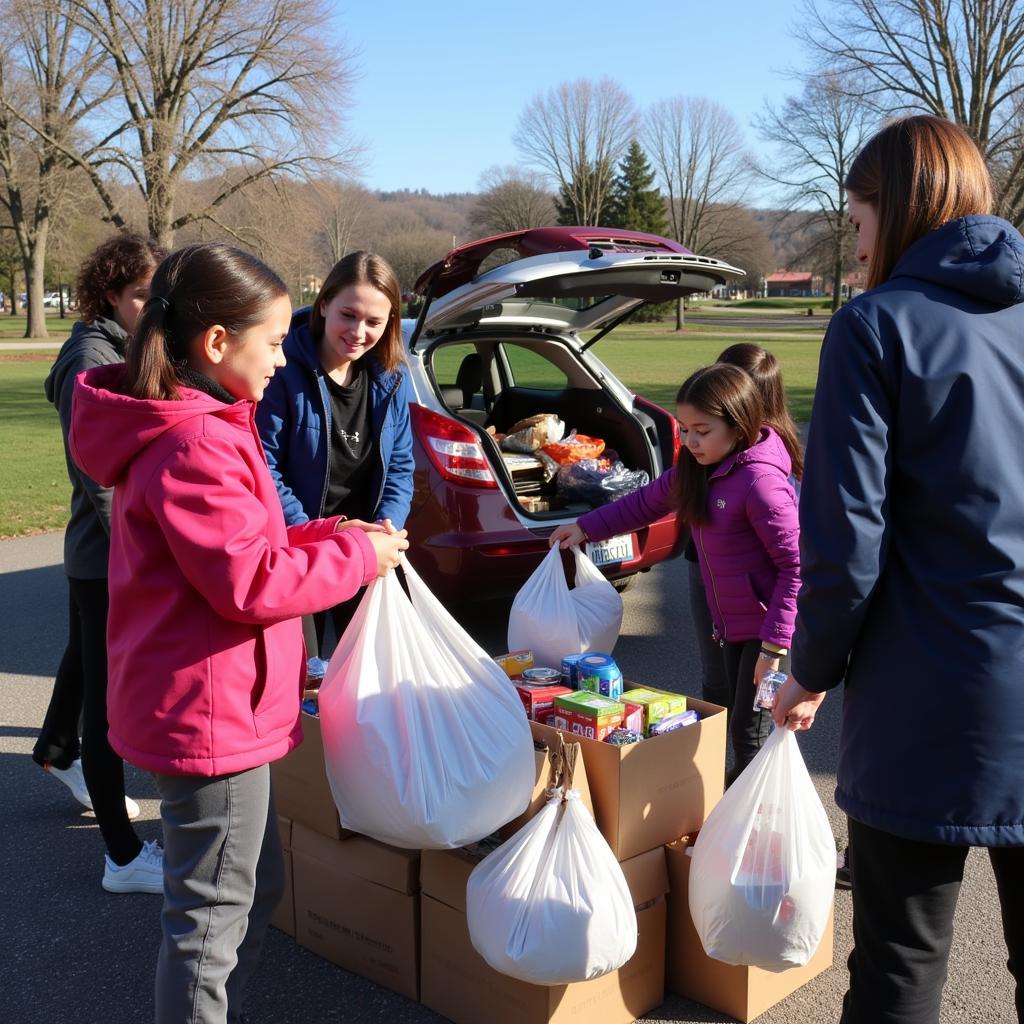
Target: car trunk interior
{"x":477,"y":382}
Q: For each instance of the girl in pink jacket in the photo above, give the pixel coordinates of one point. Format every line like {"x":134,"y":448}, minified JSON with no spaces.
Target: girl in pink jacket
{"x":207,"y":586}
{"x":731,"y":488}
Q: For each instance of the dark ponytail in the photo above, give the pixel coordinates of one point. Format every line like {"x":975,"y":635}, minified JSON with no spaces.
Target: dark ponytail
{"x":193,"y":289}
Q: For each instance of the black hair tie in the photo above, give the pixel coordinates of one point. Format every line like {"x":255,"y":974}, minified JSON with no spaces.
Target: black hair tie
{"x":164,"y":304}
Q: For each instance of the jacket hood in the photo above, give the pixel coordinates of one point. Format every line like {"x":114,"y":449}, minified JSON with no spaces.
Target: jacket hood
{"x":980,"y":256}
{"x":109,"y":428}
{"x":768,"y":450}
{"x":85,"y":338}
{"x":301,"y":346}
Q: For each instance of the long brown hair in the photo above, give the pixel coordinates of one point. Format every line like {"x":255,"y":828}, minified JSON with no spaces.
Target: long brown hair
{"x":111,"y":267}
{"x":727,"y":392}
{"x":193,"y":289}
{"x":365,"y":268}
{"x":764,"y":368}
{"x":918,"y":173}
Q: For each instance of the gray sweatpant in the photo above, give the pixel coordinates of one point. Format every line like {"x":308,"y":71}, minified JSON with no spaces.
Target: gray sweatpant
{"x":223,"y":877}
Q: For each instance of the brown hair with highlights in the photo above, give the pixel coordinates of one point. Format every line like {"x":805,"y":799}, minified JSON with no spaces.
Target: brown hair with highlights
{"x":918,"y":173}
{"x":764,"y":368}
{"x":365,"y":268}
{"x":727,"y":392}
{"x":113,"y":265}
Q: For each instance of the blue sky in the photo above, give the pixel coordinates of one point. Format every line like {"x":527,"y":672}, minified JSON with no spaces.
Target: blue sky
{"x":442,"y":84}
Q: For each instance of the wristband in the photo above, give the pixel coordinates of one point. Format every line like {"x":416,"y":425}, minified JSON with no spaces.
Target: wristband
{"x":774,"y":648}
{"x":583,"y":530}
{"x":768,"y":655}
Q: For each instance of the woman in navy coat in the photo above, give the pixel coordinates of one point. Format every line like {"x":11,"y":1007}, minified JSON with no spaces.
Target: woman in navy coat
{"x":912,"y":555}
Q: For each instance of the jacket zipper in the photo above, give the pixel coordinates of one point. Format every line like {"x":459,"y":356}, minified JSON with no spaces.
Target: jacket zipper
{"x":321,"y":387}
{"x":380,"y":450}
{"x":721,"y":638}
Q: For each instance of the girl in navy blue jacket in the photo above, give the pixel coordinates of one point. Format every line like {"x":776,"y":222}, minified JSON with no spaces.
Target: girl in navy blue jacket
{"x":912,"y":560}
{"x":335,"y":421}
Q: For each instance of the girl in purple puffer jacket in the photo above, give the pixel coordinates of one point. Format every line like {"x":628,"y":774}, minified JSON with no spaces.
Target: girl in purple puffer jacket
{"x":733,"y":491}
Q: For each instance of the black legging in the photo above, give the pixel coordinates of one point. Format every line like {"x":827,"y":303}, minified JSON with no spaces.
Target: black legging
{"x":748,"y":729}
{"x":80,"y":692}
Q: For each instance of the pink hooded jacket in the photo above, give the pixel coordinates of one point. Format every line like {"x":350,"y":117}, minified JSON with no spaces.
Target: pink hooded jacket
{"x":748,"y":550}
{"x":205,"y":651}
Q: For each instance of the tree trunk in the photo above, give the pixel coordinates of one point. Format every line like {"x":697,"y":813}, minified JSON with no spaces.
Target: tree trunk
{"x":34,"y":272}
{"x":837,"y":278}
{"x":160,"y":214}
{"x":680,"y":314}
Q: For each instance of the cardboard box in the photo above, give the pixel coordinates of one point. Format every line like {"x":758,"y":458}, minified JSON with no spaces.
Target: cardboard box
{"x":741,"y":992}
{"x":459,"y":984}
{"x":649,"y":793}
{"x":357,"y":905}
{"x":284,"y":916}
{"x":301,"y":789}
{"x":542,"y":779}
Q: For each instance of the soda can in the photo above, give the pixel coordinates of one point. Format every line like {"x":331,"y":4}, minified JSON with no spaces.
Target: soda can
{"x":599,"y":674}
{"x":541,"y":676}
{"x":569,"y":663}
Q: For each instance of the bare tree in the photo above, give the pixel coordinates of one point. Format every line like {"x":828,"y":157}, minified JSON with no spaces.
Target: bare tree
{"x":816,"y":136}
{"x":249,"y":89}
{"x":958,"y":59}
{"x":511,"y":199}
{"x":696,"y":147}
{"x":577,"y":132}
{"x":48,"y":71}
{"x":341,"y":205}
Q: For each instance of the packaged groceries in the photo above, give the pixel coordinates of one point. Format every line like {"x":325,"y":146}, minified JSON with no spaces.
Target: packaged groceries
{"x":551,"y":620}
{"x":531,"y":434}
{"x":672,"y":722}
{"x":515,"y":663}
{"x":573,"y":448}
{"x":764,"y":699}
{"x":764,"y":865}
{"x":587,"y":714}
{"x":623,"y":737}
{"x":598,"y":481}
{"x":539,"y":700}
{"x":569,"y":663}
{"x":657,"y":704}
{"x":599,"y":674}
{"x":425,"y":741}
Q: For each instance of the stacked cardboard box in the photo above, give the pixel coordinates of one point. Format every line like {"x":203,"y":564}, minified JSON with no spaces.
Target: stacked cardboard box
{"x":284,"y":915}
{"x":741,"y":992}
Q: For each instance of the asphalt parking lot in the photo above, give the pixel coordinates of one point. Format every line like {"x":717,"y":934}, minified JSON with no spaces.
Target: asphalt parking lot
{"x":69,"y":952}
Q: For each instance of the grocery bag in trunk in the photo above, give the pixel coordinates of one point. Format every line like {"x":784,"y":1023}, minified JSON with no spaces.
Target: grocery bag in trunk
{"x":425,"y":739}
{"x":551,"y":905}
{"x":551,"y":620}
{"x":764,"y":864}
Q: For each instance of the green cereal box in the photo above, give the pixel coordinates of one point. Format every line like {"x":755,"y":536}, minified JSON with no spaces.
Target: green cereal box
{"x":587,"y":714}
{"x":657,"y":704}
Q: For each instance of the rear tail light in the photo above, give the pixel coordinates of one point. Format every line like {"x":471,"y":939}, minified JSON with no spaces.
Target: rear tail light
{"x":454,"y":449}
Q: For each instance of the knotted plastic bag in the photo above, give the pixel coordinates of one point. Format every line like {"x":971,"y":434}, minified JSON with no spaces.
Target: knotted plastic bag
{"x":764,"y":864}
{"x":551,"y":905}
{"x":551,"y":620}
{"x":426,"y":742}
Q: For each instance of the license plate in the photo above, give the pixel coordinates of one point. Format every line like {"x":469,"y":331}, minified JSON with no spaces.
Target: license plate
{"x":614,"y":549}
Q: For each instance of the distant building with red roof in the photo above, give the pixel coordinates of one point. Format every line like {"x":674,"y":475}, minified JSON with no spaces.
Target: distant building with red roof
{"x":801,"y":283}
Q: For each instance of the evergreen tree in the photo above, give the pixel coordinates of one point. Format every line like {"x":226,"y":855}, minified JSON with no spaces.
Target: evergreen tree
{"x":636,"y":202}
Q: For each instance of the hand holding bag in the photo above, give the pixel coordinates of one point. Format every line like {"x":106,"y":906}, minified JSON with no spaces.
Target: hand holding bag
{"x":551,"y":620}
{"x":763,"y":872}
{"x":426,"y":742}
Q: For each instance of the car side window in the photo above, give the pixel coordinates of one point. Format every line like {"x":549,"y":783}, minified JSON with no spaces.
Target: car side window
{"x":530,"y":369}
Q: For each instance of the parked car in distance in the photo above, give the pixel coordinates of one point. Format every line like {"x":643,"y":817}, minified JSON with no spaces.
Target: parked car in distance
{"x":51,"y":300}
{"x":491,"y":347}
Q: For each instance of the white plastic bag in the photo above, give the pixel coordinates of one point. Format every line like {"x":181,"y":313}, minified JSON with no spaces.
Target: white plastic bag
{"x":551,"y":905}
{"x":552,"y":620}
{"x":425,"y":739}
{"x":764,"y":864}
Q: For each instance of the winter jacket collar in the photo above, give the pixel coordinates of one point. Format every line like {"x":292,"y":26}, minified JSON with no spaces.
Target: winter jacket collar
{"x":200,"y":382}
{"x":768,"y":449}
{"x":979,"y":256}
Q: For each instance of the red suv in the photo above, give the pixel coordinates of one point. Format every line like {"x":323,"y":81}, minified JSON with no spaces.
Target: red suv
{"x":492,"y":347}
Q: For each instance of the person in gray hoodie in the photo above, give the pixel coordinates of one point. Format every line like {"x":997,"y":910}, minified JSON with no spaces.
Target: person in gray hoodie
{"x":112,"y":286}
{"x":912,"y":556}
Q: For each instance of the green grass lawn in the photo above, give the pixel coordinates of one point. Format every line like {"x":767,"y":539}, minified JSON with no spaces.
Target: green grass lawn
{"x":651,"y":359}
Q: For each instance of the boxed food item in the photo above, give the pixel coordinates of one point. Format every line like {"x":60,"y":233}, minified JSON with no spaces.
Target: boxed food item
{"x":657,"y":704}
{"x":587,"y":714}
{"x":598,"y":673}
{"x":357,"y":905}
{"x":647,"y":794}
{"x":457,"y":983}
{"x":539,"y":699}
{"x":741,"y":992}
{"x":283,"y":917}
{"x":301,"y":790}
{"x":515,"y":663}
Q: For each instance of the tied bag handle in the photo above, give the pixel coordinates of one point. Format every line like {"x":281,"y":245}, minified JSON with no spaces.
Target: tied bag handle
{"x":561,"y":769}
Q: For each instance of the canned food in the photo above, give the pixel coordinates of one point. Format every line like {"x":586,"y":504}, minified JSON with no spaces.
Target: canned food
{"x":599,"y":674}
{"x":569,"y":663}
{"x":542,"y":676}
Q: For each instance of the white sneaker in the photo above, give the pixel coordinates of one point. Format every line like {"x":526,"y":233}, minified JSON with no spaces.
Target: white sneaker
{"x":144,"y":874}
{"x":73,"y":778}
